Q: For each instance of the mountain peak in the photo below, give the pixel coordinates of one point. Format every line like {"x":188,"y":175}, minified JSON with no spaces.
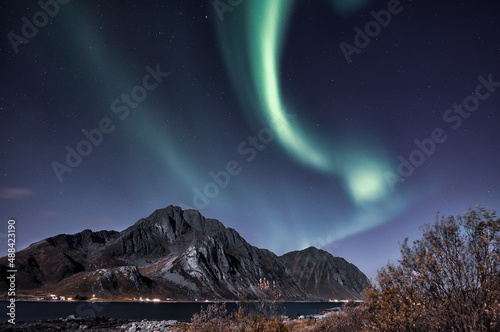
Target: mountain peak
{"x":175,"y":217}
{"x":312,"y":250}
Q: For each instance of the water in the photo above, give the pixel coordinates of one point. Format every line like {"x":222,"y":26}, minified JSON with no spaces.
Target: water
{"x":32,"y":311}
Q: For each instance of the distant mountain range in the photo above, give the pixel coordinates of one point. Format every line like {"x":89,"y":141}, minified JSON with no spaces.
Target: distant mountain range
{"x":181,"y":255}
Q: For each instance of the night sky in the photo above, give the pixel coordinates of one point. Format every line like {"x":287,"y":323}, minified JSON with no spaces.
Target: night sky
{"x":339,"y":124}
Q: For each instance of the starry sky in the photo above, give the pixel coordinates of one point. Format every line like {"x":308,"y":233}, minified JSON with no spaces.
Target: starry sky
{"x":339,"y":124}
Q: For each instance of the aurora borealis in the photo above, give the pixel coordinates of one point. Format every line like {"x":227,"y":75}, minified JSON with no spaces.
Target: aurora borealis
{"x":256,"y":117}
{"x":263,"y":28}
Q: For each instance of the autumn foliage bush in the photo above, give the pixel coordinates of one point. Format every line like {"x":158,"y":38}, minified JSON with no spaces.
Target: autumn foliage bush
{"x":447,"y":281}
{"x":350,"y":320}
{"x":215,"y":318}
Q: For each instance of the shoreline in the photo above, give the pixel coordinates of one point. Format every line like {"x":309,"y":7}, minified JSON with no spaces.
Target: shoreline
{"x":173,"y":301}
{"x":105,"y":323}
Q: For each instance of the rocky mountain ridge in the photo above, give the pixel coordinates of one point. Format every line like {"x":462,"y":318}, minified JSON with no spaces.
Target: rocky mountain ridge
{"x":178,"y":254}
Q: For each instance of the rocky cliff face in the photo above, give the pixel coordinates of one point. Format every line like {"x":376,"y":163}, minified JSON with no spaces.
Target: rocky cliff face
{"x":182,"y":255}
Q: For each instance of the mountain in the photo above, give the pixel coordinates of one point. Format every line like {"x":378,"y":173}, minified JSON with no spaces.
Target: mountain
{"x":323,"y":275}
{"x":182,"y":255}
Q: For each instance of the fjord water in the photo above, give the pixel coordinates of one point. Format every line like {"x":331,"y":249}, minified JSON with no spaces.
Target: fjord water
{"x":182,"y":311}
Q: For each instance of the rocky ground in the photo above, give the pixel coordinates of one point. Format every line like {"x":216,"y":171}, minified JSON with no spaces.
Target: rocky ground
{"x":93,"y":324}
